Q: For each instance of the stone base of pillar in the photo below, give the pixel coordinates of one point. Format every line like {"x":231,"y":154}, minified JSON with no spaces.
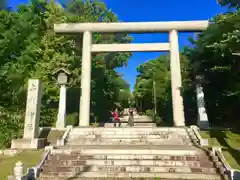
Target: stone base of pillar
{"x":60,"y":125}
{"x":28,"y":143}
{"x":179,"y":124}
{"x":203,"y":124}
{"x":84,"y":126}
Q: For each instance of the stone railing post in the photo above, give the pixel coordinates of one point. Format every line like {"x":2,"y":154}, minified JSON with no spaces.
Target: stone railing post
{"x":18,"y":170}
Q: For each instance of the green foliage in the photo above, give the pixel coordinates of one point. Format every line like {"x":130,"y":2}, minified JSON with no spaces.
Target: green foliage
{"x":149,"y":112}
{"x":11,"y":127}
{"x":3,"y":4}
{"x":158,"y":71}
{"x":29,"y":48}
{"x":213,"y":57}
{"x":72,"y":119}
{"x":230,"y":3}
{"x":156,"y":118}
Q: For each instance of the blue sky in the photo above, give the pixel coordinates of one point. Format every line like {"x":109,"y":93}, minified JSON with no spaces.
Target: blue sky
{"x":155,"y":10}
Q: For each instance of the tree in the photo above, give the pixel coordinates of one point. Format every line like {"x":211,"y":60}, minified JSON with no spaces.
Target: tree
{"x":31,"y":49}
{"x":3,"y":4}
{"x":213,"y":57}
{"x":158,"y":71}
{"x":230,"y":3}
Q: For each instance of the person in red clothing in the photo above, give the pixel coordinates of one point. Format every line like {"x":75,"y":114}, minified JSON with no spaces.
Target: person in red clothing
{"x":116,"y":118}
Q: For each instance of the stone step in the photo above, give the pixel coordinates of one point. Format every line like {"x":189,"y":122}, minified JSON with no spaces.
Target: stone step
{"x":151,"y":169}
{"x":125,"y":124}
{"x":113,"y":178}
{"x":129,"y":136}
{"x":153,"y":176}
{"x":129,"y":130}
{"x":127,"y":169}
{"x":145,"y":125}
{"x":119,"y":162}
{"x":132,"y":129}
{"x":109,"y":134}
{"x":128,"y":149}
{"x":167,"y":137}
{"x":137,"y":119}
{"x":78,"y":156}
{"x":123,"y":142}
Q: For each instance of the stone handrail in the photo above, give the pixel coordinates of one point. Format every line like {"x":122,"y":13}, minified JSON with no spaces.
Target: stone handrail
{"x":44,"y":158}
{"x":233,"y":174}
{"x":210,"y":152}
{"x":33,"y":172}
{"x":201,"y":141}
{"x":62,"y":141}
{"x":49,"y":150}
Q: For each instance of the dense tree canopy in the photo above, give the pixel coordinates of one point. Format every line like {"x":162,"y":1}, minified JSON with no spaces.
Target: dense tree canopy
{"x":215,"y":55}
{"x":158,"y":71}
{"x":214,"y":58}
{"x":3,"y":4}
{"x":29,"y":48}
{"x":230,"y":3}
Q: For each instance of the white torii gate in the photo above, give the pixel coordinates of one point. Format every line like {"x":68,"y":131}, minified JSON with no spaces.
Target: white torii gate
{"x":172,"y":27}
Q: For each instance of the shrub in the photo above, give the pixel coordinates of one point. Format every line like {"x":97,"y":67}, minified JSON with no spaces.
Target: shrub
{"x":149,"y":113}
{"x":11,"y":124}
{"x":72,"y":119}
{"x":158,"y":120}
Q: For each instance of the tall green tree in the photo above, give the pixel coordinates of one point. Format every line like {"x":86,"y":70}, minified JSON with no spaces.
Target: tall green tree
{"x":3,"y":4}
{"x":31,"y":49}
{"x":158,"y":71}
{"x":230,"y":3}
{"x":213,"y":56}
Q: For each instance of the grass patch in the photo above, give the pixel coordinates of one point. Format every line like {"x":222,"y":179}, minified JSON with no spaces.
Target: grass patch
{"x":230,"y":143}
{"x":28,"y":158}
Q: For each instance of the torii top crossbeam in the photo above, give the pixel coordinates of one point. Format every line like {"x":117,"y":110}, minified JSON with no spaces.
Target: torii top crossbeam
{"x":186,"y":26}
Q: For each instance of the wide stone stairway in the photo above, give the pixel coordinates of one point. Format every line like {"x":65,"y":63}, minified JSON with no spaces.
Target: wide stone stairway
{"x":129,"y":153}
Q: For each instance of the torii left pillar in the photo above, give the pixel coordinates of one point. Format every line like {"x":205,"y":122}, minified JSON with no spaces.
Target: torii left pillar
{"x":84,"y":117}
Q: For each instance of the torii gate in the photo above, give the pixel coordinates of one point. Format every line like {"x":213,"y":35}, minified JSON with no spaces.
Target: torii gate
{"x":172,"y":28}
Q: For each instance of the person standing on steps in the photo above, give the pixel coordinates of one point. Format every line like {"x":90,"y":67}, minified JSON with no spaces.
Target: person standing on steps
{"x":131,"y":118}
{"x":116,"y":118}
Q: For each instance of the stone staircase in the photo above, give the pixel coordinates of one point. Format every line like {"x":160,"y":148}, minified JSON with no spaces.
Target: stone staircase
{"x":139,"y":121}
{"x":129,"y":153}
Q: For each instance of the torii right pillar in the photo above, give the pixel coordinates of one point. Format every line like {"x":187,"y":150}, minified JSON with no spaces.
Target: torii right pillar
{"x":176,"y":80}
